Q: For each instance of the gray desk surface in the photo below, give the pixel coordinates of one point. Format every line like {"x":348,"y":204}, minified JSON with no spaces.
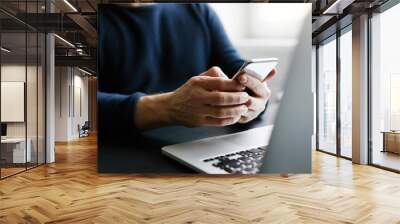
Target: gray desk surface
{"x":143,"y":154}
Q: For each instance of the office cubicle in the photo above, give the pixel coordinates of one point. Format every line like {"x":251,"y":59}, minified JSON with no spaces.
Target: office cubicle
{"x":22,"y":77}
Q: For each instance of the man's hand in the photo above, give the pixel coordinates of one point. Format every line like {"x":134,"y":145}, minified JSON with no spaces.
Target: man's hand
{"x":259,"y":97}
{"x":208,"y":100}
{"x":204,"y":100}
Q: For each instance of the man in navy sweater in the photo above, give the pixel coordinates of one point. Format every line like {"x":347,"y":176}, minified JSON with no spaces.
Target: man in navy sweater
{"x":166,"y":64}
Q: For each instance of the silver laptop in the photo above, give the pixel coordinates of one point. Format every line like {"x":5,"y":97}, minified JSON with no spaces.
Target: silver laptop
{"x":240,"y":152}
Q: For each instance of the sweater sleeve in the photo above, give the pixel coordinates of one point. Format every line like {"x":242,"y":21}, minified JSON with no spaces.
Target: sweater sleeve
{"x":223,"y":53}
{"x":116,"y":112}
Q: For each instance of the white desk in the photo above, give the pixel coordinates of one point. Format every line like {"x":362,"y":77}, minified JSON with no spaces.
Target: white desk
{"x":17,"y":147}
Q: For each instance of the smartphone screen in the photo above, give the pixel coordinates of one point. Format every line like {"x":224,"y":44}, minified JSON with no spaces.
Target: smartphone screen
{"x":258,"y":68}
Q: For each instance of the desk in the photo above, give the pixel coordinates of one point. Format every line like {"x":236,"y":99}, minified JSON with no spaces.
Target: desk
{"x":391,"y":141}
{"x":143,"y":154}
{"x":13,"y":150}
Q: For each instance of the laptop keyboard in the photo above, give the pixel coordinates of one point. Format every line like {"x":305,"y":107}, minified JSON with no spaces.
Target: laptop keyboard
{"x":243,"y":162}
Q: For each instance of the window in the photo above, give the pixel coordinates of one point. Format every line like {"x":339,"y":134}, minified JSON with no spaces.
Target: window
{"x":394,"y":102}
{"x":346,"y":93}
{"x":333,"y":137}
{"x":385,"y":89}
{"x":327,"y":96}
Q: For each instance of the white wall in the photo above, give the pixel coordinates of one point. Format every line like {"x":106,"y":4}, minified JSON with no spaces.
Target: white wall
{"x":80,"y":103}
{"x":15,"y":72}
{"x":62,"y":81}
{"x":71,"y":94}
{"x":261,"y":31}
{"x":235,"y":18}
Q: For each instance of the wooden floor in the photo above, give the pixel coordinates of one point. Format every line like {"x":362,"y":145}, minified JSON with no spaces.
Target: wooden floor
{"x":387,"y":159}
{"x":5,"y":172}
{"x":71,"y":191}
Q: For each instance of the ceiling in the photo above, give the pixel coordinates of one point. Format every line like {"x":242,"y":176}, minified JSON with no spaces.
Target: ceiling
{"x":75,"y":22}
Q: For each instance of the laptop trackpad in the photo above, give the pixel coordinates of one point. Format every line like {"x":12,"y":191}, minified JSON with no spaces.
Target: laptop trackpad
{"x":250,"y":139}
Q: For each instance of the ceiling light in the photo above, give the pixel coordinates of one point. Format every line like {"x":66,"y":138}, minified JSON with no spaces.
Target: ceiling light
{"x":65,"y":41}
{"x":84,"y":71}
{"x":5,"y":50}
{"x":79,"y":51}
{"x":70,"y":5}
{"x":337,"y":7}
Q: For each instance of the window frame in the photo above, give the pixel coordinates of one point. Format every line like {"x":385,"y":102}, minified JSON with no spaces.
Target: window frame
{"x":334,"y":37}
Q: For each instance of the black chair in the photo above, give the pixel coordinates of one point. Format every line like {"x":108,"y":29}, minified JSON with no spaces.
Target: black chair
{"x":84,"y":130}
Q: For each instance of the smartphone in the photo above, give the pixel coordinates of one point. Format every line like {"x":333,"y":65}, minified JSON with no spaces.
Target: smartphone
{"x":258,"y":68}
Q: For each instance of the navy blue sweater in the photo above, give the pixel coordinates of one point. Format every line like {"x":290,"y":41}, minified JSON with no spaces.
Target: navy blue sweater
{"x":153,"y":49}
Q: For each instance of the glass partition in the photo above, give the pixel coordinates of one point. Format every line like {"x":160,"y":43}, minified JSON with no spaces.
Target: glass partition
{"x":22,"y":78}
{"x":15,"y":150}
{"x":327,"y":96}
